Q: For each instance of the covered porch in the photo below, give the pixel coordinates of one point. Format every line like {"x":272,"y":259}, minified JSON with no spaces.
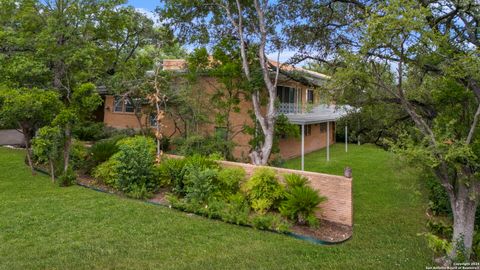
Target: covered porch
{"x":323,"y":117}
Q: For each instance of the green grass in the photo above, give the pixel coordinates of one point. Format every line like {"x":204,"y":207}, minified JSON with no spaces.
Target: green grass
{"x":43,"y":226}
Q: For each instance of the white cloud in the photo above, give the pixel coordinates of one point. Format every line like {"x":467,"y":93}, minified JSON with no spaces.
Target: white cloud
{"x":150,"y":14}
{"x":284,"y":56}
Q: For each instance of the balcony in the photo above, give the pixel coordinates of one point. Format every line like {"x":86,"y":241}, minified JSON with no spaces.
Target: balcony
{"x":290,"y":108}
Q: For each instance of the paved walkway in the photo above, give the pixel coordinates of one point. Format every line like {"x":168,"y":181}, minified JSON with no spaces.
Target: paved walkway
{"x":10,"y":137}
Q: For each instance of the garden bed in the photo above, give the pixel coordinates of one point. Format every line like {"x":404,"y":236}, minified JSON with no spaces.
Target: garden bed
{"x":328,"y":232}
{"x":265,"y":198}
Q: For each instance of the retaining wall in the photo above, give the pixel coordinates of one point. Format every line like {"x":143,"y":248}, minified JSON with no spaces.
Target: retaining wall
{"x":337,"y":189}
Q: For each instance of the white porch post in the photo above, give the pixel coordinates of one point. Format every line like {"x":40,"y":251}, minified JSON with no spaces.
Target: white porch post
{"x":346,"y":138}
{"x":328,"y":141}
{"x":303,"y":147}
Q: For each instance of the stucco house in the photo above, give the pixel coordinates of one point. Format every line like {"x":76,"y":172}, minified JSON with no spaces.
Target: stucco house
{"x":299,"y":99}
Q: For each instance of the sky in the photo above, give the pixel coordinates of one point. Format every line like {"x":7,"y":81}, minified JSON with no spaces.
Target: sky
{"x":148,"y":8}
{"x":148,"y":5}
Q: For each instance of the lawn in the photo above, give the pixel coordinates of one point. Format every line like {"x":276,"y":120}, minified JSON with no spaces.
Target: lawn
{"x":43,"y":226}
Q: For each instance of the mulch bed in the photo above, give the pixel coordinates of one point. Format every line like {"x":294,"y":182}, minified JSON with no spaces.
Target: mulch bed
{"x":328,"y":231}
{"x":88,"y":181}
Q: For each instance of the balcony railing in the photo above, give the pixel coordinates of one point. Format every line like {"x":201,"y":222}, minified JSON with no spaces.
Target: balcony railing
{"x":290,"y":108}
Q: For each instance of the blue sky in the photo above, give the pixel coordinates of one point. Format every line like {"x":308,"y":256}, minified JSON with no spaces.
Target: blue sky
{"x":149,"y":5}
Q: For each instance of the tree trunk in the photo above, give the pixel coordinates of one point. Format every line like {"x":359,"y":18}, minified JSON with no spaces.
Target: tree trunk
{"x":27,"y":137}
{"x":464,"y":210}
{"x":66,"y":149}
{"x":52,"y":171}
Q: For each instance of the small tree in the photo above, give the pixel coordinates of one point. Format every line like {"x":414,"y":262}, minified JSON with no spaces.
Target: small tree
{"x":28,"y":109}
{"x":47,"y":146}
{"x":83,"y":102}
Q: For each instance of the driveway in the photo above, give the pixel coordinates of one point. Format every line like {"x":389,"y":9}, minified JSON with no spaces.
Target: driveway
{"x":11,"y":137}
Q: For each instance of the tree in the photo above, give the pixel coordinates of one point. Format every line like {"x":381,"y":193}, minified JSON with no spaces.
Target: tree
{"x":47,"y":146}
{"x":28,"y":109}
{"x":252,"y":24}
{"x":422,"y":57}
{"x":62,"y":45}
{"x":158,"y":99}
{"x":83,"y":102}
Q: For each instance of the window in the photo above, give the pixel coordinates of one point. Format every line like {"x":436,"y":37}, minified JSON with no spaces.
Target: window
{"x":310,"y":96}
{"x":129,"y":106}
{"x":118,"y":105}
{"x":286,"y":94}
{"x":323,"y":127}
{"x":125,"y":104}
{"x":307,"y":131}
{"x":153,"y":120}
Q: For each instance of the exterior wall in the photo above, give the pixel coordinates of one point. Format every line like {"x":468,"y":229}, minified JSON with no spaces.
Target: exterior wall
{"x":337,"y":189}
{"x":292,"y":147}
{"x":129,"y":120}
{"x":201,"y":92}
{"x":119,"y":119}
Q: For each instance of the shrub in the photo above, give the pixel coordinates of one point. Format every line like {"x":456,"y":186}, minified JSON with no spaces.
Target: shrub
{"x":67,"y":179}
{"x":171,"y":172}
{"x":176,"y":170}
{"x":139,"y":192}
{"x":295,"y":180}
{"x":89,"y":131}
{"x":215,"y":208}
{"x":439,"y":203}
{"x":273,"y":222}
{"x":276,"y":161}
{"x":126,"y":132}
{"x":313,"y":221}
{"x":200,"y":183}
{"x":300,"y":203}
{"x":201,"y":145}
{"x":202,"y":162}
{"x":280,"y":225}
{"x":183,"y":205}
{"x":107,"y":172}
{"x":104,"y":149}
{"x":476,"y":245}
{"x":440,"y":246}
{"x":264,"y":185}
{"x":440,"y":228}
{"x":262,"y":222}
{"x":229,"y":180}
{"x":261,"y":206}
{"x":78,"y":155}
{"x":135,"y":163}
{"x":237,"y":210}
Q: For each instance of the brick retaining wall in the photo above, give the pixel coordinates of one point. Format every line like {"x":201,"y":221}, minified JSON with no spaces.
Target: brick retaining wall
{"x":337,"y":189}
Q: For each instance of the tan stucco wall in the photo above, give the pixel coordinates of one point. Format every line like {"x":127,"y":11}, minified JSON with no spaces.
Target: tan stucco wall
{"x":202,"y":91}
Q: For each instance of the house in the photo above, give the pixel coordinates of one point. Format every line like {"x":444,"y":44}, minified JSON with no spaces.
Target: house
{"x":299,"y":99}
